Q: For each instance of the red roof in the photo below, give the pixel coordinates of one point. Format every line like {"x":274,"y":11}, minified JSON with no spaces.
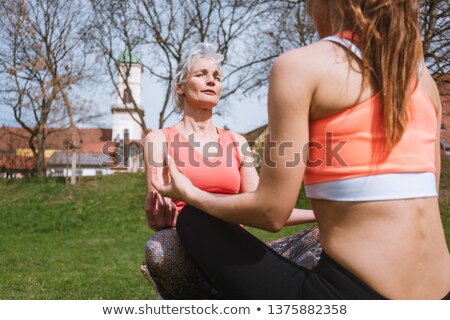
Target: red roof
{"x":13,"y":138}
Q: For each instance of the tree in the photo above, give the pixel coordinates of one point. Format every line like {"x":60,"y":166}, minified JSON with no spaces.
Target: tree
{"x":435,"y":23}
{"x":40,"y":64}
{"x":115,"y":34}
{"x":284,"y":25}
{"x":166,"y":29}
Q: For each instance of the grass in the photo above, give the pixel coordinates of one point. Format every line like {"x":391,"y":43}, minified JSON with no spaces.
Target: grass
{"x":87,"y":241}
{"x":82,"y":242}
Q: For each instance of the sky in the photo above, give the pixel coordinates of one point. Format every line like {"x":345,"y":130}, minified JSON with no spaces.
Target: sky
{"x":240,"y":114}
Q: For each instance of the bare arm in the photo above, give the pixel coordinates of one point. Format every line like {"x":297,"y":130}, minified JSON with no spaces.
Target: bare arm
{"x":161,"y":212}
{"x":300,"y":216}
{"x":250,"y":180}
{"x":290,"y":93}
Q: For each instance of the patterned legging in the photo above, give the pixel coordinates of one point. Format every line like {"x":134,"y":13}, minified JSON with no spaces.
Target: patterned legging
{"x":176,"y":275}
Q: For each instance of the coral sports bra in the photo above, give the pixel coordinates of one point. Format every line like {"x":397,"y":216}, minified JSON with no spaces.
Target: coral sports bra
{"x":348,"y":160}
{"x":218,"y":173}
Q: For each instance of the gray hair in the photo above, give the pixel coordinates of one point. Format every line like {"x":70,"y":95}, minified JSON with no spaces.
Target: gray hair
{"x":200,"y":50}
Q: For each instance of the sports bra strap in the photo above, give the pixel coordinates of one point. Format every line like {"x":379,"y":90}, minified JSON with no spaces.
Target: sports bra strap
{"x":350,"y":46}
{"x":357,"y":52}
{"x":347,"y":44}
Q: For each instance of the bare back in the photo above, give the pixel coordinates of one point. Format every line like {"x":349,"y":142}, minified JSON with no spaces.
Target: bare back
{"x":400,"y":237}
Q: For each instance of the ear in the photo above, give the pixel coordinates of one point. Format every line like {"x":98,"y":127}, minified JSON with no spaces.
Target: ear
{"x":180,"y":90}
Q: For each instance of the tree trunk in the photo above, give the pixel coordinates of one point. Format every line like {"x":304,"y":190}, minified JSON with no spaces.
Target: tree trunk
{"x":40,"y":165}
{"x":73,"y":178}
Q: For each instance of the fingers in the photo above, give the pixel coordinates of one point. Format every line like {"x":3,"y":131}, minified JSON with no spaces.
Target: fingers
{"x":163,"y":209}
{"x":151,"y":211}
{"x":174,"y":215}
{"x":172,"y":168}
{"x":169,"y":207}
{"x":155,"y":181}
{"x":170,"y":171}
{"x":150,"y":202}
{"x":166,"y":173}
{"x":154,"y":201}
{"x":160,"y":201}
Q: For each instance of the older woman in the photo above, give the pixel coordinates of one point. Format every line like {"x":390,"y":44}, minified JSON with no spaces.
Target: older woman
{"x":213,"y":160}
{"x":362,"y":95}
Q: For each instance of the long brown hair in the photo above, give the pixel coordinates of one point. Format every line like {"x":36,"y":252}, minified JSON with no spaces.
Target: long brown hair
{"x":391,"y":45}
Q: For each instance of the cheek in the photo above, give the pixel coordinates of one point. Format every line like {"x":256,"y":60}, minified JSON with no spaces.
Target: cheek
{"x":189,"y":88}
{"x":219,"y":88}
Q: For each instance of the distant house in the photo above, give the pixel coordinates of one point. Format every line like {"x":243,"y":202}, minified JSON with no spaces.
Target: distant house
{"x":98,"y":151}
{"x":255,"y":136}
{"x":16,"y":158}
{"x":89,"y":164}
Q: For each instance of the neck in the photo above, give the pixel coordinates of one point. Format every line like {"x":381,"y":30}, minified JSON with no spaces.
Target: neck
{"x":198,"y":121}
{"x":330,"y":23}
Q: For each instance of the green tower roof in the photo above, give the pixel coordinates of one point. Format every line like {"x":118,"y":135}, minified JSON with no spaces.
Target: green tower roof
{"x":129,"y":57}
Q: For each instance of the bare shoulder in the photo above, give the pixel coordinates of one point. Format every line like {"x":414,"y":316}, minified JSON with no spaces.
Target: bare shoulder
{"x":155,"y":141}
{"x":308,"y":56}
{"x":304,"y":63}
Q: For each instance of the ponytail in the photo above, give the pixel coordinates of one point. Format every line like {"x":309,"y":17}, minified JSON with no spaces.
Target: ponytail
{"x":391,"y":45}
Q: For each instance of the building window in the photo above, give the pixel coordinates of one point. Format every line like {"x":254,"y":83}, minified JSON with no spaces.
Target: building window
{"x":127,"y":96}
{"x":98,"y":172}
{"x":59,"y":173}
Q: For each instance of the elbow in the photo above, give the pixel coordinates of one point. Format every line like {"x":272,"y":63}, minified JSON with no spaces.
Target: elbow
{"x":274,"y":219}
{"x":274,"y":227}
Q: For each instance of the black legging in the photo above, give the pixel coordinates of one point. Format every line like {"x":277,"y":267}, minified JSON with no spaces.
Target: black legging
{"x":240,"y":266}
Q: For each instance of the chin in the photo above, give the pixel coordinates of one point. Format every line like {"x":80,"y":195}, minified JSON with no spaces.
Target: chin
{"x":208,"y":104}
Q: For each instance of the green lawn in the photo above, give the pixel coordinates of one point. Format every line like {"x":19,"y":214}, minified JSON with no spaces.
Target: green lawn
{"x":87,"y":241}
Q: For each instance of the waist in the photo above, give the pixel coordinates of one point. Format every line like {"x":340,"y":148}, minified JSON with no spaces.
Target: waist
{"x":394,"y":242}
{"x":387,"y":186}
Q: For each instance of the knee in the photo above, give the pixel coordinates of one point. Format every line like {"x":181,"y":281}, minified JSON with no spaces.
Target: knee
{"x":158,"y":248}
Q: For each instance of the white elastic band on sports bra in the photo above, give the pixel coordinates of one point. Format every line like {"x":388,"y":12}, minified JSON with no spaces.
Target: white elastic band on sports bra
{"x":351,"y":46}
{"x":347,"y":44}
{"x":357,"y":52}
{"x":387,"y":186}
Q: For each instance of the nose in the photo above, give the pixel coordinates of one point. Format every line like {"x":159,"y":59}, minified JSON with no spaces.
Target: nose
{"x":210,"y":81}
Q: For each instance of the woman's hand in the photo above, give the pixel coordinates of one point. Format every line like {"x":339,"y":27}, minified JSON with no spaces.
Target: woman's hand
{"x":161,"y":212}
{"x":175,"y":184}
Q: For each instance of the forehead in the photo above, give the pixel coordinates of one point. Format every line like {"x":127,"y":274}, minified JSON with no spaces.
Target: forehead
{"x":205,"y":64}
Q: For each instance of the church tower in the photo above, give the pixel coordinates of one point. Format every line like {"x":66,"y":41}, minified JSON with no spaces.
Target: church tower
{"x":125,"y":128}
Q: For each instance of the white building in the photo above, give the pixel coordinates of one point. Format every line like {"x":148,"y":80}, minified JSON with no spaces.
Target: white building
{"x":125,"y":127}
{"x":105,"y":151}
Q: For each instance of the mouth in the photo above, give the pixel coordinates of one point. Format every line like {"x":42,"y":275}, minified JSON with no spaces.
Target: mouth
{"x":209,"y":92}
